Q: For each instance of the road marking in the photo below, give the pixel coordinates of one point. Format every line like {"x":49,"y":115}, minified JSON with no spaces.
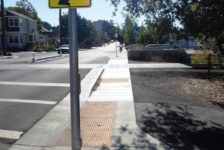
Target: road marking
{"x":28,"y":101}
{"x":7,"y":134}
{"x":8,"y":60}
{"x":35,"y":84}
{"x":46,"y":66}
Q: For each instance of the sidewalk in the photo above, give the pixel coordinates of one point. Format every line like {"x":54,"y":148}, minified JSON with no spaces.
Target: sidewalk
{"x":111,"y":107}
{"x":107,"y":118}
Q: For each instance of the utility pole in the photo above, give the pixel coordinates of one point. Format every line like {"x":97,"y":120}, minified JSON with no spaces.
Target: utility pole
{"x":60,"y":28}
{"x":3,"y":38}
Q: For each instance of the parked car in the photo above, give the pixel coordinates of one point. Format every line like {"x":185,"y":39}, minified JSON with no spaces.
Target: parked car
{"x":170,"y":46}
{"x":63,"y":49}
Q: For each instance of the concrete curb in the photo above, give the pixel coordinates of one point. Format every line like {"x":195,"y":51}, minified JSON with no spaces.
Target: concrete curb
{"x":90,"y":82}
{"x":8,"y":57}
{"x":96,"y":81}
{"x":50,"y":128}
{"x":46,"y":58}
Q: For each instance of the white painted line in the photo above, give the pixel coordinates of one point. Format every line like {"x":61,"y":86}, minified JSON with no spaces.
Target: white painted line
{"x":7,"y":134}
{"x":28,"y":101}
{"x":46,"y":66}
{"x":35,"y":84}
{"x":8,"y":60}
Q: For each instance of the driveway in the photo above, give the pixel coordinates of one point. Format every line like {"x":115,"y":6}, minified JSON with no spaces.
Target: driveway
{"x":166,"y":109}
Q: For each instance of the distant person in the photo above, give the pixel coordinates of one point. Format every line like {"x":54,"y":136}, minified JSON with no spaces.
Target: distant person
{"x":63,"y":2}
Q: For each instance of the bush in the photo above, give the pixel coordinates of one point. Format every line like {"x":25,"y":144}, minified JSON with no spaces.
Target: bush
{"x":202,"y":59}
{"x":40,"y":48}
{"x":174,"y":56}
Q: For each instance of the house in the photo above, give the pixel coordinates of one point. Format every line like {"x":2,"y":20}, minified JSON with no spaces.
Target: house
{"x":21,"y":31}
{"x":52,"y":34}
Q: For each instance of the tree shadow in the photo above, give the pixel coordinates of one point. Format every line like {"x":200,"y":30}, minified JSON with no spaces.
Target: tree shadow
{"x":180,"y":129}
{"x":133,"y":138}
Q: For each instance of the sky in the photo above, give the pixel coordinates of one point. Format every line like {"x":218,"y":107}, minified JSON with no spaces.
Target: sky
{"x":100,"y":10}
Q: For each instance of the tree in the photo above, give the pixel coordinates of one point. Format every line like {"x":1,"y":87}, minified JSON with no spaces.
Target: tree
{"x":86,"y":31}
{"x":26,"y":8}
{"x":195,"y":16}
{"x":47,"y":25}
{"x":130,"y":30}
{"x":205,"y":17}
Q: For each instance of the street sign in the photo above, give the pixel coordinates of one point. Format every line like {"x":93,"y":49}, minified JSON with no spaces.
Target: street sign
{"x":69,"y":3}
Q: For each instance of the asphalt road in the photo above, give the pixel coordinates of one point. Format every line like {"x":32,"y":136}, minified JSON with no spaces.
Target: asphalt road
{"x":27,"y":95}
{"x":99,"y":55}
{"x":181,"y":121}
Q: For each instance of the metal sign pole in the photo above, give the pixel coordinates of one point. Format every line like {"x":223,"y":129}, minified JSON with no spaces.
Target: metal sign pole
{"x":74,"y":85}
{"x":116,"y":36}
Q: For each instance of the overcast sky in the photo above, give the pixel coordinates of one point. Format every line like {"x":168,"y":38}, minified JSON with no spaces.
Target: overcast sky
{"x":100,"y":9}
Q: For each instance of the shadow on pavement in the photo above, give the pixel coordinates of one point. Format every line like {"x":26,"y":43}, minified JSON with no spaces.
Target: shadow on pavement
{"x":126,"y":138}
{"x":180,"y":129}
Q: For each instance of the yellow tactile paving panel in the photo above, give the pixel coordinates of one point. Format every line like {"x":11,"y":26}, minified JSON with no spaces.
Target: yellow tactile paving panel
{"x":97,"y":122}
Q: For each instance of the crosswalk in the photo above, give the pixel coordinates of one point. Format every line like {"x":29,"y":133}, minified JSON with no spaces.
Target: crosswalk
{"x":20,"y":109}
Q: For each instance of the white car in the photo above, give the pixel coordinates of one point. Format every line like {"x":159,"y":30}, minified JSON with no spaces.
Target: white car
{"x":63,"y":49}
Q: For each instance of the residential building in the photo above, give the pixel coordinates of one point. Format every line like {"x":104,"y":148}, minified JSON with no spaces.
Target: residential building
{"x":21,"y":31}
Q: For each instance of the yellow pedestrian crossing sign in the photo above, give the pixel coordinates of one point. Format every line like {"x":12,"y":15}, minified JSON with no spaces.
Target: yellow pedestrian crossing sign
{"x":69,"y":3}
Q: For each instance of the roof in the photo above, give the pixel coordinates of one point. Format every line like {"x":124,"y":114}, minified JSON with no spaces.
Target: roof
{"x":19,"y":14}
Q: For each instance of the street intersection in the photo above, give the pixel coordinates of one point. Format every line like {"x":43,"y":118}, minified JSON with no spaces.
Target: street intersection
{"x":28,"y":91}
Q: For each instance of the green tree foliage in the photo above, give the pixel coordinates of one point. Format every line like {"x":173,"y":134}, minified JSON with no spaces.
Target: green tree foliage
{"x":159,"y":30}
{"x":203,"y":17}
{"x":195,"y":16}
{"x":86,"y":31}
{"x":130,"y":31}
{"x":26,"y":8}
{"x":47,"y":25}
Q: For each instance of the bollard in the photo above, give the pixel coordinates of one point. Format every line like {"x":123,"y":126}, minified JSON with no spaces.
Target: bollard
{"x":33,"y":60}
{"x":121,"y":48}
{"x":60,"y":52}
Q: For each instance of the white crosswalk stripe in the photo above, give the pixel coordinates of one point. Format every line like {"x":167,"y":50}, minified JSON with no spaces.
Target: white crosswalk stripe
{"x":8,"y":134}
{"x":27,"y":101}
{"x":35,"y":84}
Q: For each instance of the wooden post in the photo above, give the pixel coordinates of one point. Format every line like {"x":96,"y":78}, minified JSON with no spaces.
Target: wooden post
{"x":209,"y":65}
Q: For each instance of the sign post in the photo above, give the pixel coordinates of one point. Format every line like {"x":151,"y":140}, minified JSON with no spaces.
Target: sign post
{"x":74,"y":83}
{"x":74,"y":65}
{"x":116,"y":36}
